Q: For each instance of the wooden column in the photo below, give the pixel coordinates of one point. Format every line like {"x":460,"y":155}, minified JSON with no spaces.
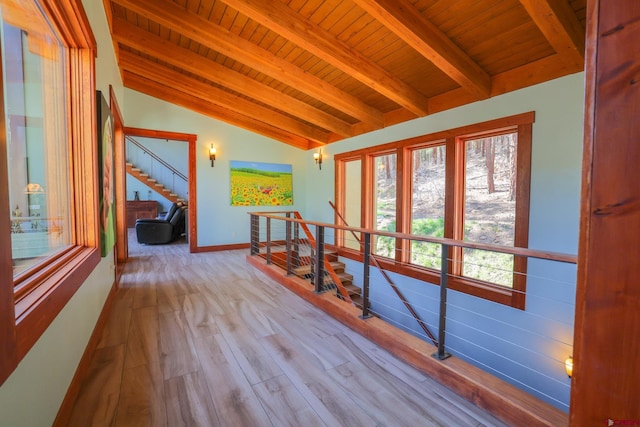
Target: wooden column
{"x":606,"y":381}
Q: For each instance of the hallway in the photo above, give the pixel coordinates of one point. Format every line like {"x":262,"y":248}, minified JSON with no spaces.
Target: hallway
{"x":205,"y":340}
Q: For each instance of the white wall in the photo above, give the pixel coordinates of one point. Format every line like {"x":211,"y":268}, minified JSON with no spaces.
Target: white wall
{"x":527,"y":347}
{"x":33,"y":393}
{"x":219,"y":223}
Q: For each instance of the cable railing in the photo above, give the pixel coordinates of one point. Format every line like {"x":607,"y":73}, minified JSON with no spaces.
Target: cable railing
{"x":525,"y":346}
{"x":157,"y":168}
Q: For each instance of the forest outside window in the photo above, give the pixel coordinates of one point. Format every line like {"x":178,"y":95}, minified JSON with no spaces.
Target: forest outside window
{"x":49,"y":223}
{"x":469,"y":184}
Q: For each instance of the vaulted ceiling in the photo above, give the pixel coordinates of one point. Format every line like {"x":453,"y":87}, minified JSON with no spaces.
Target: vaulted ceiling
{"x":312,"y":72}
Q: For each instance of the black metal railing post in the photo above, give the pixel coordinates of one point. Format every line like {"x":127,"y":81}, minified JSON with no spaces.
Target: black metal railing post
{"x":268,"y":240}
{"x":366,"y":269}
{"x":296,"y":244}
{"x":444,"y":277}
{"x":287,"y":243}
{"x":318,"y":273}
{"x":255,"y":234}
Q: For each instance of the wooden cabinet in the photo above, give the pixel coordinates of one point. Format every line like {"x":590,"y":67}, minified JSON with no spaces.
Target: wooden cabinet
{"x":140,"y":209}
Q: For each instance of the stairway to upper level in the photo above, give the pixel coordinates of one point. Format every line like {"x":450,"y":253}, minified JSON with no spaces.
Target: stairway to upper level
{"x":152,"y":183}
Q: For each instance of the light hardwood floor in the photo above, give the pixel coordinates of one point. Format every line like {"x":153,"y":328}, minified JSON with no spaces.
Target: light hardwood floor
{"x":206,"y":340}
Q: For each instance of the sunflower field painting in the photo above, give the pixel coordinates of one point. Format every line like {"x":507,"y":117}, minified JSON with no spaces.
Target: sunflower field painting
{"x":261,"y":184}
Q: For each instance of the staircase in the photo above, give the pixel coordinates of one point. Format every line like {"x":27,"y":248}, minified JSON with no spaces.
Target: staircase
{"x":305,"y":271}
{"x":152,"y":183}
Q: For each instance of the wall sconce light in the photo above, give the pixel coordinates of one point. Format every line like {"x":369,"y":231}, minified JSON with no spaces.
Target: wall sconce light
{"x":212,"y":154}
{"x":318,"y":158}
{"x":568,"y":366}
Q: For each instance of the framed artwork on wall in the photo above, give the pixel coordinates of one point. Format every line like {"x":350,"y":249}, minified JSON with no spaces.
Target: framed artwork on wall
{"x":105,"y":171}
{"x":261,"y":184}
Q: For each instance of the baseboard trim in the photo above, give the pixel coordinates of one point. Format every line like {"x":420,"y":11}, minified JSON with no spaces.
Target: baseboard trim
{"x":216,"y":248}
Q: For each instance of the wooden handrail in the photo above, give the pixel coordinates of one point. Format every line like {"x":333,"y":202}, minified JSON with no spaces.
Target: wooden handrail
{"x":532,"y":253}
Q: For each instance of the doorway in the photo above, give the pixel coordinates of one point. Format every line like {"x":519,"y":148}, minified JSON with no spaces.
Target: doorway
{"x":157,"y":170}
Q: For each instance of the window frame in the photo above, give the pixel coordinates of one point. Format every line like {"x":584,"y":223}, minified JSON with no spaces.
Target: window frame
{"x":30,"y":301}
{"x":453,"y":140}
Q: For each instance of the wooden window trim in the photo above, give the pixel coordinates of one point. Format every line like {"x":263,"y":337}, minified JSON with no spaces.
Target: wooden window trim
{"x":30,"y":302}
{"x":454,"y":189}
{"x":192,"y":141}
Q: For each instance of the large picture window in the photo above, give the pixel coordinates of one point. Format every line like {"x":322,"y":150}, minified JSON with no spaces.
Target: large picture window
{"x":49,"y":222}
{"x":35,"y":67}
{"x":469,"y":184}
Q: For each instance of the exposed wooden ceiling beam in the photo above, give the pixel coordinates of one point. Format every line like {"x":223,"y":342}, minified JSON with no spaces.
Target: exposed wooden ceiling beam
{"x":130,"y":35}
{"x":174,"y":96}
{"x":403,"y":19}
{"x":169,"y":77}
{"x":191,"y":25}
{"x":560,"y":26}
{"x":281,"y":19}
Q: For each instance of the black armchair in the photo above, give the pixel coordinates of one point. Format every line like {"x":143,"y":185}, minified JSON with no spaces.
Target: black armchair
{"x":157,"y":231}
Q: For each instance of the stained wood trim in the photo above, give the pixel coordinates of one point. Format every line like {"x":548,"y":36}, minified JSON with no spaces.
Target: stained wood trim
{"x":160,"y":134}
{"x":122,"y":235}
{"x":187,"y":23}
{"x":464,"y":131}
{"x":505,"y":401}
{"x":217,"y":248}
{"x":64,"y":413}
{"x":8,"y":353}
{"x":192,"y":140}
{"x":281,"y":19}
{"x":404,"y":20}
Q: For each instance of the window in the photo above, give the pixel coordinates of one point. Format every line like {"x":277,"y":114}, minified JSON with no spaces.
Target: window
{"x":428,"y":180}
{"x":48,"y":228}
{"x":353,"y":191}
{"x":384,"y":202}
{"x":35,"y":66}
{"x":470,"y":184}
{"x":489,"y":214}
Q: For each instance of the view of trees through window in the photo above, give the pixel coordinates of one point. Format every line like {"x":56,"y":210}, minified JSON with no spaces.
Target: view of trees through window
{"x":489,"y":206}
{"x":385,"y":202}
{"x":427,"y":203}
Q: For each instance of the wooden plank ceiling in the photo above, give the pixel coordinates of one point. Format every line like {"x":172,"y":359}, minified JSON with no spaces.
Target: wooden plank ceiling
{"x":312,"y":72}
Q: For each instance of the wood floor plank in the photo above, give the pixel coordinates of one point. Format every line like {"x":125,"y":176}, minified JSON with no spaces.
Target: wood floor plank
{"x":327,"y":399}
{"x":189,"y":402}
{"x":177,"y":352}
{"x":284,"y":404}
{"x":256,"y":364}
{"x":97,"y":400}
{"x":117,"y":325}
{"x":311,"y":338}
{"x":231,"y":393}
{"x":143,"y":341}
{"x":199,"y":315}
{"x":142,"y":397}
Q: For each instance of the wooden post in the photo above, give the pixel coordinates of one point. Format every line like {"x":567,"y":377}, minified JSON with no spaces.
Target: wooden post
{"x":606,"y":374}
